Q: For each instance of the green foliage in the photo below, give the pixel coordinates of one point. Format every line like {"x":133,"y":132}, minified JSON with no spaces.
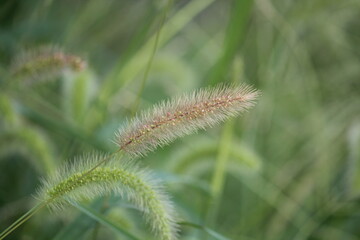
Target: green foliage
{"x":287,"y":170}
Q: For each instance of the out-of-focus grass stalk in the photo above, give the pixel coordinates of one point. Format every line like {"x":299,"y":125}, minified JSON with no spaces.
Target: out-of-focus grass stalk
{"x":21,"y":220}
{"x":235,"y":32}
{"x":123,"y":74}
{"x":151,"y":58}
{"x":219,"y":174}
{"x":102,"y":219}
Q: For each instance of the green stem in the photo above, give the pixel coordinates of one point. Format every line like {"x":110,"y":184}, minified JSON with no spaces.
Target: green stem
{"x":22,"y":219}
{"x":152,"y":55}
{"x":102,"y":211}
{"x":219,"y":174}
{"x":35,"y":209}
{"x":234,"y":39}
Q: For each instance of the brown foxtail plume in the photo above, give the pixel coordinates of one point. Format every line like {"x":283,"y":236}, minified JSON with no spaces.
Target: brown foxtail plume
{"x":183,"y":115}
{"x":44,"y":62}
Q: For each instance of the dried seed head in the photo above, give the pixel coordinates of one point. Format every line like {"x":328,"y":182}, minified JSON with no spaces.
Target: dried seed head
{"x":183,"y":115}
{"x":44,"y":62}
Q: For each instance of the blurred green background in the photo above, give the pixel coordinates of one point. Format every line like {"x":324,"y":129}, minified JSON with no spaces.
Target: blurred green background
{"x":291,"y":164}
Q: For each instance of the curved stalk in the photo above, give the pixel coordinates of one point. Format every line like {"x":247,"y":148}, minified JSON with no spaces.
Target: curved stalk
{"x":38,"y":207}
{"x":148,"y":66}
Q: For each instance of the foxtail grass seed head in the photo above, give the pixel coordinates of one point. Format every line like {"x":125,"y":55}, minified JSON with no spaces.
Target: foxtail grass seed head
{"x":43,"y":63}
{"x":183,"y":115}
{"x":74,"y":182}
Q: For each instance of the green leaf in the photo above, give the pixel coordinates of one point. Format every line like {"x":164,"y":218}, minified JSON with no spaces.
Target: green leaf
{"x":104,"y":221}
{"x":209,"y":231}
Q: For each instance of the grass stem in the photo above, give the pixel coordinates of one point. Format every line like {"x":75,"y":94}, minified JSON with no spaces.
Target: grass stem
{"x":219,"y":173}
{"x":152,"y":55}
{"x":35,"y":209}
{"x":22,"y":219}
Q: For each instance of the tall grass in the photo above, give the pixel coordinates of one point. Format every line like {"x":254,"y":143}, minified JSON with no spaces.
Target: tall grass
{"x":288,"y":170}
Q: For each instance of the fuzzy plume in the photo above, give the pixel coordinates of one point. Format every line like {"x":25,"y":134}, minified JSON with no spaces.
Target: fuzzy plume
{"x":44,"y":62}
{"x":74,"y":182}
{"x":183,"y":115}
